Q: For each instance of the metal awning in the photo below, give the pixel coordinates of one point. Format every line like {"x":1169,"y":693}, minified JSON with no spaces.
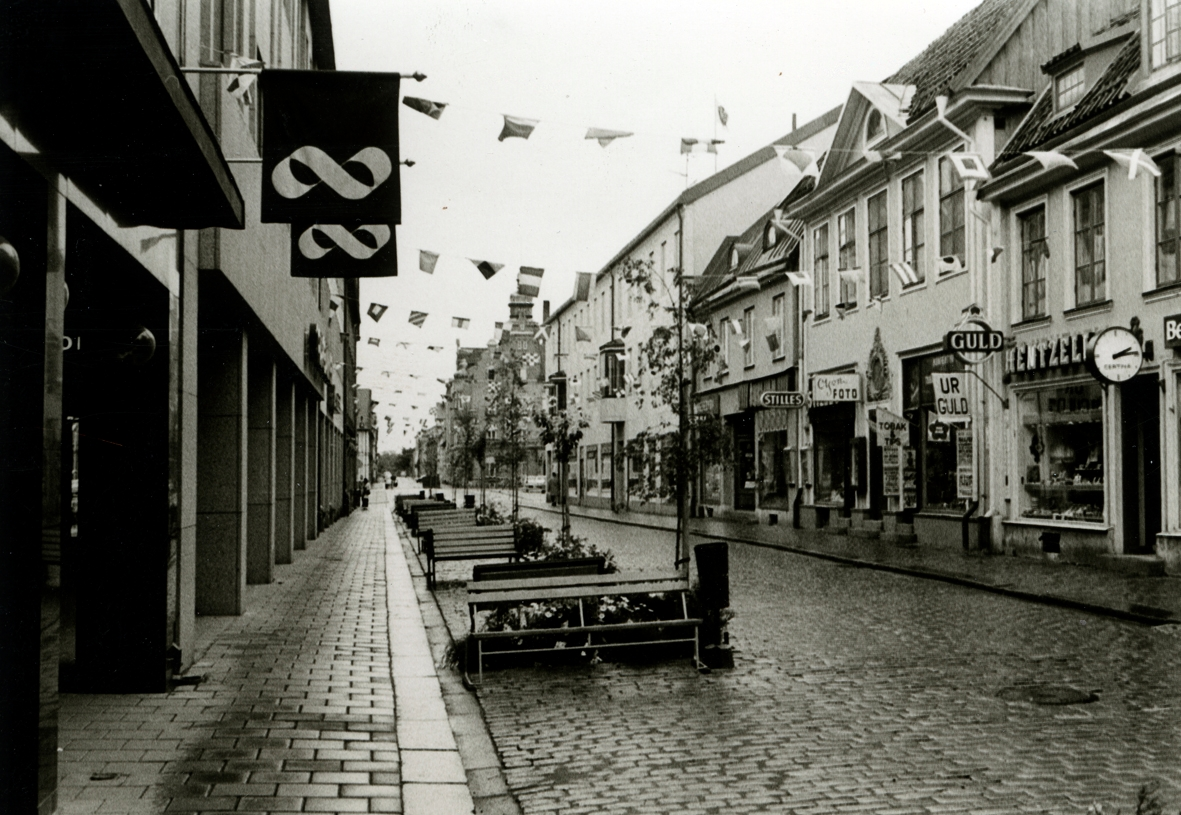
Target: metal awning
{"x":95,"y":89}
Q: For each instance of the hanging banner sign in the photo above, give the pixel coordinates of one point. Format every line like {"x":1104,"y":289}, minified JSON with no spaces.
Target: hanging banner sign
{"x":330,"y":147}
{"x":836,"y":388}
{"x":891,"y":429}
{"x":974,"y":342}
{"x":951,"y":396}
{"x":332,"y":250}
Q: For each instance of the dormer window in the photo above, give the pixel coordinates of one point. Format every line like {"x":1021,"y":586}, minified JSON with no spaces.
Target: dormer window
{"x":733,"y":258}
{"x":875,"y":126}
{"x":1069,"y":87}
{"x":1165,"y":32}
{"x":769,"y":237}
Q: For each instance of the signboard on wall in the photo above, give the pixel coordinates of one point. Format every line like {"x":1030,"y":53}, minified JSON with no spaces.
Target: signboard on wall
{"x":910,"y":491}
{"x":836,"y":387}
{"x":951,"y":396}
{"x":1173,"y":331}
{"x":965,"y":465}
{"x":891,"y":470}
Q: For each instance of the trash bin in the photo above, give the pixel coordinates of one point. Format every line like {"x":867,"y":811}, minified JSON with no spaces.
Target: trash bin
{"x":1051,"y":542}
{"x":469,"y":502}
{"x":713,"y":573}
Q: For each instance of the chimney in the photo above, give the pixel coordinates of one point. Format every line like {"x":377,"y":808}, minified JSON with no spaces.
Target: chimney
{"x":793,"y":123}
{"x":545,"y":311}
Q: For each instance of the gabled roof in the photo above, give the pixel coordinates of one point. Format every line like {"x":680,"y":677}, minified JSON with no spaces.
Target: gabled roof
{"x":1041,"y":125}
{"x":955,"y":59}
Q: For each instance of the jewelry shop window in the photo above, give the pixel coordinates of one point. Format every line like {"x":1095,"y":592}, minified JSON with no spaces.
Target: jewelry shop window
{"x":1062,"y":453}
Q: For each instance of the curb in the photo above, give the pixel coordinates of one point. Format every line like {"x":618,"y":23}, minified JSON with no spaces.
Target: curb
{"x":1016,"y":594}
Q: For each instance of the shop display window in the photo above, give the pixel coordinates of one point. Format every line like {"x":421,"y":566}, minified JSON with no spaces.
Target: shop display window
{"x":933,"y":441}
{"x":774,"y":466}
{"x":832,"y":464}
{"x":1061,"y":443}
{"x":592,"y":469}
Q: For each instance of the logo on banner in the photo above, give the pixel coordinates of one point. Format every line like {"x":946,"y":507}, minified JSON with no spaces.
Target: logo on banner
{"x":334,"y":175}
{"x":330,"y":147}
{"x":343,"y":238}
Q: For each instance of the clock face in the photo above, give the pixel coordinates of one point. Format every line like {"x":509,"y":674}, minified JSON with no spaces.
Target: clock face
{"x":1115,"y":355}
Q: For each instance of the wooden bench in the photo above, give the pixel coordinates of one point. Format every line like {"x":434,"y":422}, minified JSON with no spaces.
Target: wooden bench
{"x":487,"y":594}
{"x":467,"y":543}
{"x":427,"y":517}
{"x":409,"y":507}
{"x":539,"y":568}
{"x":403,"y":497}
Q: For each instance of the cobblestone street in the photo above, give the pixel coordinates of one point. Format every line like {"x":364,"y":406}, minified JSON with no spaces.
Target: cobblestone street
{"x":854,"y":691}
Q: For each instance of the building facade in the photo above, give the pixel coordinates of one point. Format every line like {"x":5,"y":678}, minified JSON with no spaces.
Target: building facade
{"x":174,"y":421}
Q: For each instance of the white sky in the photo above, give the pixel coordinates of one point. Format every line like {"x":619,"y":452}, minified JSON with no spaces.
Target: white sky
{"x":556,"y":200}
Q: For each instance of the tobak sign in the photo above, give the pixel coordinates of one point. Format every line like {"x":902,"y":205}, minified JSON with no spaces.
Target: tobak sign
{"x":330,"y":147}
{"x":781,"y":399}
{"x":974,"y":342}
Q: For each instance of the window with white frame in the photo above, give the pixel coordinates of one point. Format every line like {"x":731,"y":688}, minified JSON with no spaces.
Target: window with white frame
{"x":1168,"y":237}
{"x":951,"y":211}
{"x":879,"y":245}
{"x":748,"y":347}
{"x":1034,"y":252}
{"x":1165,"y":32}
{"x":820,"y":271}
{"x":1069,"y":87}
{"x":847,"y":255}
{"x":1090,"y":248}
{"x":875,"y":126}
{"x":778,"y":318}
{"x":913,"y":225}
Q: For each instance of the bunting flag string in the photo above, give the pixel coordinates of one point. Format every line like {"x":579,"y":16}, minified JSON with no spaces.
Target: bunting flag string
{"x":460,"y":322}
{"x":487,"y":268}
{"x":376,"y":310}
{"x":1134,"y":160}
{"x":417,"y":318}
{"x":949,"y":264}
{"x":529,"y":281}
{"x":427,"y":260}
{"x":700,"y":145}
{"x":1050,"y":159}
{"x":905,"y":272}
{"x":604,"y":136}
{"x":580,"y":335}
{"x":374,"y":341}
{"x":432,"y":109}
{"x":798,"y":160}
{"x":516,"y":127}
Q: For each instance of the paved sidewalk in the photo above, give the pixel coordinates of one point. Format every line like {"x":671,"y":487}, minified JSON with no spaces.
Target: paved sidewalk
{"x":1150,"y":600}
{"x":296,"y":712}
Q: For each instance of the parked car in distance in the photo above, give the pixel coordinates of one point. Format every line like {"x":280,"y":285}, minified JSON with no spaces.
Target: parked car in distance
{"x":535,"y":482}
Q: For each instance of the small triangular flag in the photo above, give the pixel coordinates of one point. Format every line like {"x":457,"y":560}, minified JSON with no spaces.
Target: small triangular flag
{"x":418,"y":318}
{"x":432,"y":109}
{"x":1134,"y":160}
{"x":374,"y":341}
{"x":460,"y":322}
{"x":800,"y":278}
{"x":427,"y":260}
{"x":604,"y":136}
{"x":1049,"y":159}
{"x":376,"y":310}
{"x":487,"y":268}
{"x":797,"y":160}
{"x":517,"y":128}
{"x":723,"y":116}
{"x":969,"y":166}
{"x":580,"y":335}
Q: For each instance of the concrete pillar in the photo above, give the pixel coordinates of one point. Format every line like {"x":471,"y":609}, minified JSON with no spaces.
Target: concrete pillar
{"x":187,"y":556}
{"x":260,"y":470}
{"x":221,"y":471}
{"x":284,"y":472}
{"x":299,"y":479}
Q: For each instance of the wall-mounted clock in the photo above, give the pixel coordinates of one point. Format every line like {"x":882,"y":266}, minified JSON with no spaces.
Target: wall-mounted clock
{"x":1114,"y":355}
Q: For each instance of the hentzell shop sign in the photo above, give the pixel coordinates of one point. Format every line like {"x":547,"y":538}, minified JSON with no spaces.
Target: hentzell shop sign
{"x":1043,"y":355}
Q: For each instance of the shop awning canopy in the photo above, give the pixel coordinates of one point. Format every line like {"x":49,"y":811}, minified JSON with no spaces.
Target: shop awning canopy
{"x":95,"y":89}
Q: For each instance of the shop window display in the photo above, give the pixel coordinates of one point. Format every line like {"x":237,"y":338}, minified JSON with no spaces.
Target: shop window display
{"x":933,"y":441}
{"x":832,"y":464}
{"x":1062,"y":450}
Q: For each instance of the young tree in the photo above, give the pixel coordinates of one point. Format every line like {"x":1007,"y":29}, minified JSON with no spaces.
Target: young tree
{"x":561,"y":428}
{"x":467,"y":436}
{"x":506,"y":413}
{"x":686,"y":440}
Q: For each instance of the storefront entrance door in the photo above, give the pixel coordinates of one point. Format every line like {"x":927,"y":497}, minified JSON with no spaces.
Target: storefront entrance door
{"x":1140,"y":401}
{"x":744,"y":463}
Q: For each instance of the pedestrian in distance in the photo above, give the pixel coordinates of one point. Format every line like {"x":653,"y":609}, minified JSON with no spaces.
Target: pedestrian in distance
{"x":365,"y":494}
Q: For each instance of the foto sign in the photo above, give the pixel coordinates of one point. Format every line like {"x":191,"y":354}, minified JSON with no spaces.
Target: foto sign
{"x":974,"y":342}
{"x":836,"y":387}
{"x":951,"y":396}
{"x":1173,"y":331}
{"x":781,"y":399}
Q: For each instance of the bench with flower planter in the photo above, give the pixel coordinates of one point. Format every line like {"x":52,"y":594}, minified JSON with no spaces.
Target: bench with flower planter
{"x":588,"y":633}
